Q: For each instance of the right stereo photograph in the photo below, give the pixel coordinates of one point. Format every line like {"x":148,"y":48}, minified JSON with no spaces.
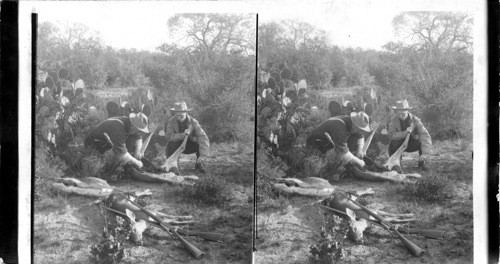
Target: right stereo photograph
{"x":364,"y":135}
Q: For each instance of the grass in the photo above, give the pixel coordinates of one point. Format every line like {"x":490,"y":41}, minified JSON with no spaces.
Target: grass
{"x":212,"y":189}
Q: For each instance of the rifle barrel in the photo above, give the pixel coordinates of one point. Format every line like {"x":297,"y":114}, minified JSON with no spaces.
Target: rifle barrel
{"x":192,"y":249}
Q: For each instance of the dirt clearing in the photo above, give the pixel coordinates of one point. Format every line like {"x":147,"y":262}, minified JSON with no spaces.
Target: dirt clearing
{"x":65,"y":228}
{"x":284,"y":235}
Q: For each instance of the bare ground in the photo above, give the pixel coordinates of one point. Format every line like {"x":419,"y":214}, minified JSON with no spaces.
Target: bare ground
{"x":65,"y":228}
{"x":284,"y":236}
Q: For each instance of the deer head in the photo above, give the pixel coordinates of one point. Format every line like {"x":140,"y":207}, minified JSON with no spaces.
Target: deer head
{"x":356,"y":227}
{"x":138,"y":227}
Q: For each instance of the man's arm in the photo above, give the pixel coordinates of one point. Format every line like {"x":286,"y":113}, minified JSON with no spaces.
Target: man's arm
{"x":360,"y":144}
{"x":138,"y":147}
{"x":340,"y":141}
{"x":423,"y":136}
{"x":127,"y":158}
{"x":201,"y":138}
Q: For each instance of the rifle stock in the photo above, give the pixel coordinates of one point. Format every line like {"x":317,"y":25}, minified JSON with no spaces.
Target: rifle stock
{"x":216,"y":237}
{"x":429,"y":233}
{"x":192,"y":249}
{"x":416,"y":250}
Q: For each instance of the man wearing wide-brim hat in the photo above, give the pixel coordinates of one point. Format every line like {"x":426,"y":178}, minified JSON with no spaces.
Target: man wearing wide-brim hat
{"x":399,"y":127}
{"x":341,"y":129}
{"x":180,"y":125}
{"x":113,"y":134}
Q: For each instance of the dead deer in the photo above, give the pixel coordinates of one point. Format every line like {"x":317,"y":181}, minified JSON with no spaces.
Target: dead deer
{"x":160,"y":174}
{"x":139,"y":220}
{"x":359,"y":220}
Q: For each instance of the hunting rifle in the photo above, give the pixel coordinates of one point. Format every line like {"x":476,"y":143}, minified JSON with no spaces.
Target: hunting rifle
{"x":429,"y":233}
{"x":416,"y":250}
{"x":191,"y":248}
{"x":211,"y":236}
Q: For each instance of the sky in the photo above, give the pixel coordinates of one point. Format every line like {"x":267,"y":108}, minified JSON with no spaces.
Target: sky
{"x":143,"y":25}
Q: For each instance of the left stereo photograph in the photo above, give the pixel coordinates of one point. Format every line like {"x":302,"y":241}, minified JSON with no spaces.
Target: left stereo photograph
{"x":143,"y":133}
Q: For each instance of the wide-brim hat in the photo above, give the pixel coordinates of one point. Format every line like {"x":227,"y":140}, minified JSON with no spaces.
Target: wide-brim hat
{"x":140,"y":121}
{"x":361,"y":120}
{"x":402,"y":105}
{"x":180,"y":107}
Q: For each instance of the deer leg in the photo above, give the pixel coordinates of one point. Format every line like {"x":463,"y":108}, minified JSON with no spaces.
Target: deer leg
{"x":172,"y":161}
{"x":177,"y":217}
{"x":382,"y":213}
{"x":359,"y":193}
{"x":394,"y":160}
{"x":176,"y":222}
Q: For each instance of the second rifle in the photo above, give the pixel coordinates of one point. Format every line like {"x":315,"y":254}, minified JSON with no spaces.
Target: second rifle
{"x":416,"y":250}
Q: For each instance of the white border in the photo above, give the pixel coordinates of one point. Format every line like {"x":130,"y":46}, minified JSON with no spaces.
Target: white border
{"x":480,"y":110}
{"x":24,"y":202}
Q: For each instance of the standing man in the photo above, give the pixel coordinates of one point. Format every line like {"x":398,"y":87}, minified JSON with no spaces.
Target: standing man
{"x":113,"y":134}
{"x":399,"y":127}
{"x":181,"y":125}
{"x":341,"y":129}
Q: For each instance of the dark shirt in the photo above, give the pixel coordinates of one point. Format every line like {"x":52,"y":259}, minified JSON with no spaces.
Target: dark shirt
{"x":339,"y":129}
{"x":405,"y":123}
{"x":183,"y":125}
{"x":118,"y":130}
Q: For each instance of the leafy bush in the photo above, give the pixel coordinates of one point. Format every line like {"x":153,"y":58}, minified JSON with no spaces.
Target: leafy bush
{"x":108,"y":251}
{"x":211,"y":190}
{"x":330,"y":248}
{"x":431,"y":188}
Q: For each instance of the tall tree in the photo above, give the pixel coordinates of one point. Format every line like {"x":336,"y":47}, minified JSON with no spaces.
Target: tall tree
{"x":213,"y":33}
{"x":434,"y":31}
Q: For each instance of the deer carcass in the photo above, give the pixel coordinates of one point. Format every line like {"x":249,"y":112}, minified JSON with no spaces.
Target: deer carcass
{"x":89,"y":186}
{"x":311,"y":186}
{"x":161,"y":174}
{"x":385,"y":174}
{"x":359,"y":220}
{"x":137,"y":218}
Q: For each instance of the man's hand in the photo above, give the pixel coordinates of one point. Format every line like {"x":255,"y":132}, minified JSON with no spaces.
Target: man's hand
{"x":152,"y":127}
{"x":423,"y":157}
{"x":139,"y":164}
{"x":358,"y":162}
{"x":374,"y":126}
{"x":360,"y":154}
{"x":138,"y":156}
{"x":188,"y":130}
{"x":408,"y":130}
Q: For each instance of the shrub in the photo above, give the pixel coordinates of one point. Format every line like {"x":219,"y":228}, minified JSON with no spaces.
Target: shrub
{"x":211,"y":190}
{"x":47,"y":169}
{"x":330,"y":249}
{"x":431,"y":188}
{"x":269,"y":169}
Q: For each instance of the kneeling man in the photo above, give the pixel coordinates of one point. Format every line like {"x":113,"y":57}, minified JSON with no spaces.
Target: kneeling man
{"x":113,"y":134}
{"x":399,"y":127}
{"x":341,"y":129}
{"x":180,"y":125}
